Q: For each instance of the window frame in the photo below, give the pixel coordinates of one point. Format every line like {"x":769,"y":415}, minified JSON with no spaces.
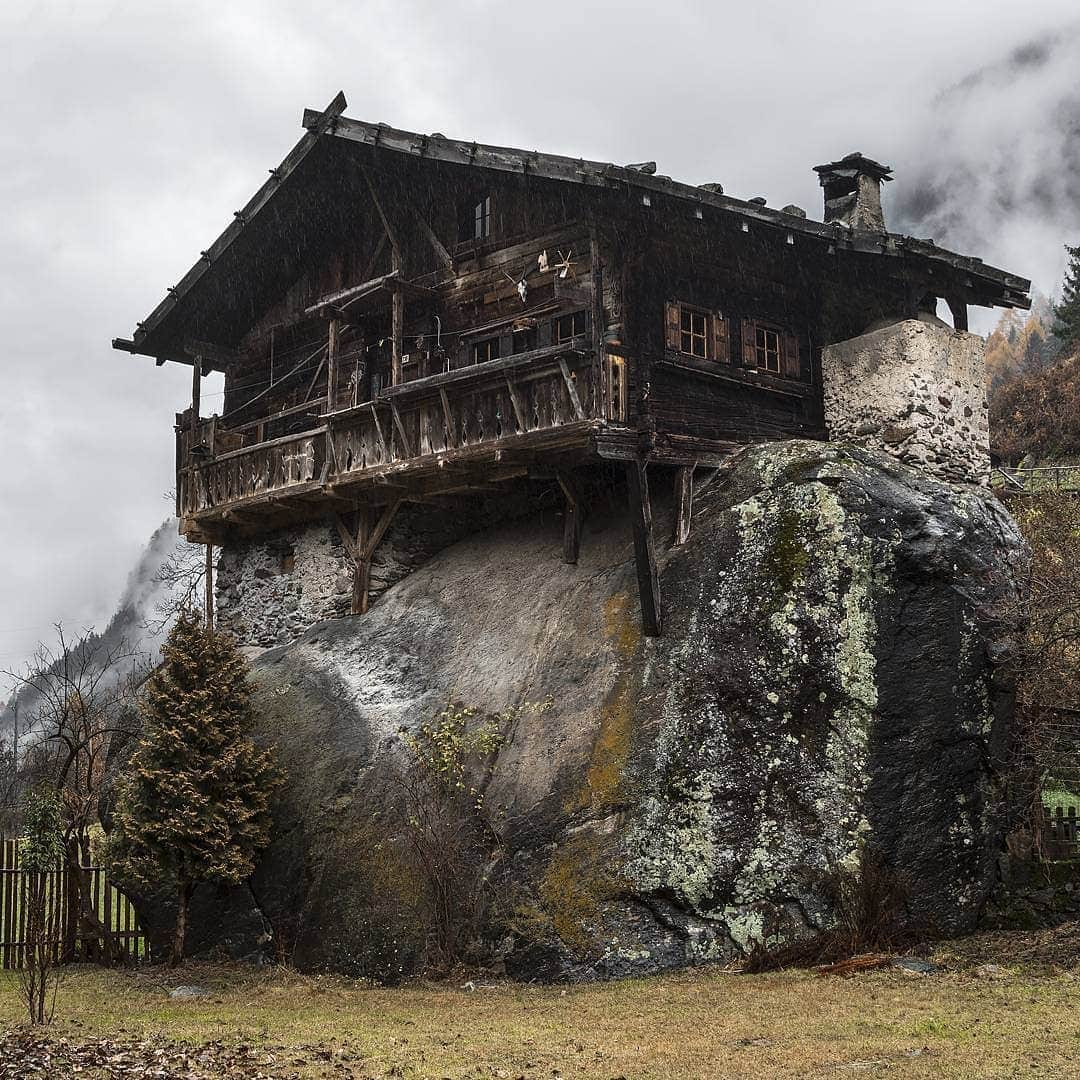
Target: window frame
{"x":491,"y":346}
{"x":688,"y":312}
{"x":572,"y":316}
{"x":762,"y":333}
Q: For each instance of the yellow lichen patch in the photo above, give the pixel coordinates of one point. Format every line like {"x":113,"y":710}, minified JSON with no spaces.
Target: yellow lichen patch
{"x":602,"y":786}
{"x":577,"y":880}
{"x":620,"y":626}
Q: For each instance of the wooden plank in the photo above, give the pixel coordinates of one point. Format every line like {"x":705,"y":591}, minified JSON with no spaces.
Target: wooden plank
{"x":401,"y":429}
{"x":196,"y":394}
{"x":351,"y":548}
{"x":375,"y":256}
{"x":433,"y":239}
{"x":332,"y":347}
{"x":515,"y":400}
{"x":684,"y":502}
{"x":379,"y":434}
{"x":397,"y":332}
{"x":368,"y":539}
{"x":218,"y":355}
{"x":648,"y":574}
{"x":518,"y":362}
{"x":391,"y":234}
{"x":448,"y":416}
{"x":575,"y":401}
{"x":572,"y":517}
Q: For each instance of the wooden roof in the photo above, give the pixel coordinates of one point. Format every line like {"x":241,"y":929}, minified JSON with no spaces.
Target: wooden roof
{"x":152,"y":336}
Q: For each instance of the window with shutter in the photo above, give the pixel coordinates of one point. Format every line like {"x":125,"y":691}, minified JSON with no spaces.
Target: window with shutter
{"x":767,"y":346}
{"x":694,"y":333}
{"x":672,"y":325}
{"x":789,"y":360}
{"x":749,"y":343}
{"x":721,"y":340}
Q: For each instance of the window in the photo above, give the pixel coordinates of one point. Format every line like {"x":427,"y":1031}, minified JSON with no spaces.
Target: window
{"x":771,"y":349}
{"x":482,"y":219}
{"x":767,"y":348}
{"x":483,"y":351}
{"x":568,"y":327}
{"x":694,"y":333}
{"x":475,"y":219}
{"x":523,"y":340}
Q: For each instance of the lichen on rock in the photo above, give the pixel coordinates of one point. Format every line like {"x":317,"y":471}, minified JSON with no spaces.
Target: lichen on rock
{"x":829,"y":683}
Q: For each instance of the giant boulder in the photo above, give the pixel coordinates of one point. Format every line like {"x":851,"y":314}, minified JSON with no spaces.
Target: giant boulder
{"x":830,"y":686}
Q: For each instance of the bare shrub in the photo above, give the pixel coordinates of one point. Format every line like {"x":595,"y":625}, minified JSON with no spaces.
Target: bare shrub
{"x":869,"y":905}
{"x":81,"y":705}
{"x":1047,"y":665}
{"x":41,"y":852}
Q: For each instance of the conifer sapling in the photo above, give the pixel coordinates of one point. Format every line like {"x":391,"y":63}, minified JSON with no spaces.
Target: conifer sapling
{"x":195,"y":803}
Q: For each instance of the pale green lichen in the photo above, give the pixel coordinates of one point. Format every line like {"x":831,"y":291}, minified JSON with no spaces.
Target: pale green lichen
{"x":803,"y":581}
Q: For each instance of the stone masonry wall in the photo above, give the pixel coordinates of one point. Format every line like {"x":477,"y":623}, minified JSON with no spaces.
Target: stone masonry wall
{"x":269,"y":590}
{"x":915,"y":389}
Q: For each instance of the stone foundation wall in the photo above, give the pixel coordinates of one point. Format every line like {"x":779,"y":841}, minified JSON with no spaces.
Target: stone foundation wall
{"x":915,"y":389}
{"x":271,"y":589}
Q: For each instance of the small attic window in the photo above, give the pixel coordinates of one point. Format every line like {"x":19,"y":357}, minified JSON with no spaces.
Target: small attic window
{"x":482,"y":218}
{"x":476,"y":219}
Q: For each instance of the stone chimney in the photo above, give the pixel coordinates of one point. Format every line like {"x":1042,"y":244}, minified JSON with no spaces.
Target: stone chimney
{"x":853,"y":191}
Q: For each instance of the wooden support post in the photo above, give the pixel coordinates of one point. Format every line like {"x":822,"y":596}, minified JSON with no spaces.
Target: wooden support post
{"x":644,"y":550}
{"x":959,"y":312}
{"x":368,"y":539}
{"x":209,"y":586}
{"x":196,"y":391}
{"x":397,"y":330}
{"x":362,"y":564}
{"x":684,"y":503}
{"x":332,"y":346}
{"x":572,"y":516}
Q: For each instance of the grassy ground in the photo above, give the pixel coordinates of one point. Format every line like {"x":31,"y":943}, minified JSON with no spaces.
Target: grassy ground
{"x":963,"y":1021}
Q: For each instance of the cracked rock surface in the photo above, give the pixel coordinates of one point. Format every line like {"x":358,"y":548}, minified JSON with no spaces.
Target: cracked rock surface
{"x":829,"y":684}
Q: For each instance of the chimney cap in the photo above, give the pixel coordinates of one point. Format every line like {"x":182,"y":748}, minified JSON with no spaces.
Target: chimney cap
{"x":851,"y":165}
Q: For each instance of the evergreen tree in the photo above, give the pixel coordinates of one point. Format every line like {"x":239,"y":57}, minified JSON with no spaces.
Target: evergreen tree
{"x":1067,"y":310}
{"x":194,"y":804}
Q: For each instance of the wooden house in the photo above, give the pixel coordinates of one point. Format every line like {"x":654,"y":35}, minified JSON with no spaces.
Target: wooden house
{"x":400,"y":316}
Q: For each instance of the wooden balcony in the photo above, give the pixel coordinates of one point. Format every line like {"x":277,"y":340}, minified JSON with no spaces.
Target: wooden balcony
{"x":419,"y":437}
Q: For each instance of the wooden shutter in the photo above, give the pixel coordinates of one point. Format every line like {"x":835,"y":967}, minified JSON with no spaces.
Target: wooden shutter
{"x":673,"y":326}
{"x":790,"y":367}
{"x":721,"y":348}
{"x":749,"y":343}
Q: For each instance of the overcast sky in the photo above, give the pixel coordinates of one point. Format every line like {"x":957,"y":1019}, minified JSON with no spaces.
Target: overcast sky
{"x":131,"y":131}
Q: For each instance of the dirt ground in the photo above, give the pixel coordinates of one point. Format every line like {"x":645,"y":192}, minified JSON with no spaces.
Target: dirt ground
{"x":992,"y":1006}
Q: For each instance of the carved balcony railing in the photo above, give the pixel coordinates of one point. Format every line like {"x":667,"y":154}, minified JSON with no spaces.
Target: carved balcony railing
{"x":507,"y":402}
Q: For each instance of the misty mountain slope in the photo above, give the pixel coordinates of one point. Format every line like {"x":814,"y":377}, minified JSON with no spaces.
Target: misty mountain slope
{"x":132,"y":625}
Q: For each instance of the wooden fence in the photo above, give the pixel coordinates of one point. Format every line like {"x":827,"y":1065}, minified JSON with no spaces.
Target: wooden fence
{"x":71,"y":937}
{"x":1060,"y":832}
